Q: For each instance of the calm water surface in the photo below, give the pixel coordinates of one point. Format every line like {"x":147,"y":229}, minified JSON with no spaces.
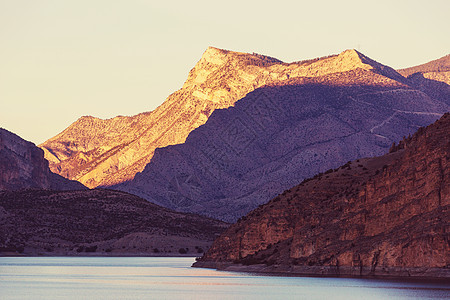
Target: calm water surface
{"x":173,"y":278}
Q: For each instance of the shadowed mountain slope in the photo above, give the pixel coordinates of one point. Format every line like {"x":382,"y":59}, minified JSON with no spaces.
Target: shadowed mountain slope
{"x":432,"y":78}
{"x":280,"y":134}
{"x":105,"y":152}
{"x":22,"y":165}
{"x":382,"y":216}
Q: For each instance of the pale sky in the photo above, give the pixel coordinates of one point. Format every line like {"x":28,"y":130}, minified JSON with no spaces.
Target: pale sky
{"x":62,"y":59}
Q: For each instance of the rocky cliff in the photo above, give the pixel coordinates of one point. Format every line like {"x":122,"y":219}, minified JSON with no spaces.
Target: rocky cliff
{"x":22,"y":165}
{"x":98,"y":222}
{"x":105,"y":152}
{"x":383,"y":216}
{"x":315,"y":116}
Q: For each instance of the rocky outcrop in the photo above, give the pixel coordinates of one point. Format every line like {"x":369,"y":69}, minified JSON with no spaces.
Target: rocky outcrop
{"x":383,"y":216}
{"x":98,"y":222}
{"x":279,"y":134}
{"x":22,"y":165}
{"x":106,"y":152}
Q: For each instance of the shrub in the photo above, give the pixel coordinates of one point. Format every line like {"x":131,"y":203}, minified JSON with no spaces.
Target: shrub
{"x":91,"y":249}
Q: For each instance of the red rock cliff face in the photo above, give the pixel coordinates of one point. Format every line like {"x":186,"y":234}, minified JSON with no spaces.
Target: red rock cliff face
{"x":380,"y":216}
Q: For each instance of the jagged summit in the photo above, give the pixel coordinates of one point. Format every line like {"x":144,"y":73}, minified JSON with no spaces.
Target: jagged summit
{"x":223,"y":76}
{"x":353,"y":59}
{"x":347,"y":60}
{"x":377,"y":67}
{"x":211,"y":52}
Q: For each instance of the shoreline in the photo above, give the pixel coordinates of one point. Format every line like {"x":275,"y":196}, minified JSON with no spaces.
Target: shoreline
{"x":392,"y":273}
{"x":395,"y":273}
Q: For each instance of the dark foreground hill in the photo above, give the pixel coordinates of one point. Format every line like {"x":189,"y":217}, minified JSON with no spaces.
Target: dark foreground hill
{"x":98,"y":222}
{"x":383,"y":216}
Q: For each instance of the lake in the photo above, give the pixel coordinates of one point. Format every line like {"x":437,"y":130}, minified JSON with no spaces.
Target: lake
{"x":173,"y":278}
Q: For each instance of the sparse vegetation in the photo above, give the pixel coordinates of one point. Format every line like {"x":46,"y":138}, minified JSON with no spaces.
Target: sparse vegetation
{"x":85,"y":220}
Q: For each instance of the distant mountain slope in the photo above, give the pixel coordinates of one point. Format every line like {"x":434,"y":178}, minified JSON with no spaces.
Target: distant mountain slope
{"x":383,"y":216}
{"x":105,"y":152}
{"x":98,"y":222}
{"x":284,"y":132}
{"x":22,"y":165}
{"x":438,"y":65}
{"x":432,"y":78}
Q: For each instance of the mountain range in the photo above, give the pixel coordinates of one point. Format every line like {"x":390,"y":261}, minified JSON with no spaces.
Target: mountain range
{"x":281,"y":133}
{"x":243,"y":129}
{"x":42,"y":213}
{"x":105,"y":152}
{"x":267,"y":125}
{"x":382,"y":216}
